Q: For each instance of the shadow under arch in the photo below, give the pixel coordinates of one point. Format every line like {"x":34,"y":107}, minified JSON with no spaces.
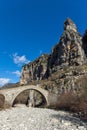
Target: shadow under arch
{"x":23,"y":99}
{"x":2,"y":100}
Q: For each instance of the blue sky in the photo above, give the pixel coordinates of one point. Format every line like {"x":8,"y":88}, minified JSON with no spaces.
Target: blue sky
{"x":29,"y":28}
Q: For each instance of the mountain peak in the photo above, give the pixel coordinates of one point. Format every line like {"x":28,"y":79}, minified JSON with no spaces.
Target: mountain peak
{"x":68,"y":52}
{"x":69,"y":25}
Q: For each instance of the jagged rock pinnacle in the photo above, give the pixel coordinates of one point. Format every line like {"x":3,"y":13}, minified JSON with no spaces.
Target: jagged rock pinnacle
{"x":69,"y":50}
{"x":70,"y":25}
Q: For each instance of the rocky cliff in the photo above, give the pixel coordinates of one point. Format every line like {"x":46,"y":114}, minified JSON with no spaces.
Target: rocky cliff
{"x":70,"y":51}
{"x":36,"y":70}
{"x":85,"y":43}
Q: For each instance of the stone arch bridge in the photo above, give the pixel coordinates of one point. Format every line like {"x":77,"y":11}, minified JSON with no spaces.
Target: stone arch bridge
{"x":11,"y":94}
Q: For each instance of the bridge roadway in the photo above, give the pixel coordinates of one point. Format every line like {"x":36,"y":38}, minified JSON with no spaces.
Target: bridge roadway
{"x":11,"y":94}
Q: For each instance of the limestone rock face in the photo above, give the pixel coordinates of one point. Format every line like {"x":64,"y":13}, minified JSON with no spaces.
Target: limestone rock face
{"x":85,"y":42}
{"x":69,"y":51}
{"x":69,"y":25}
{"x":36,"y":70}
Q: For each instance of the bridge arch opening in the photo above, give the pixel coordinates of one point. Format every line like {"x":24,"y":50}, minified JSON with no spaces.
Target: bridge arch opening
{"x":30,"y":98}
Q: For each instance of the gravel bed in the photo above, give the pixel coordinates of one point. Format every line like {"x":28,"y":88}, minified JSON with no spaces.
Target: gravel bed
{"x":24,"y":118}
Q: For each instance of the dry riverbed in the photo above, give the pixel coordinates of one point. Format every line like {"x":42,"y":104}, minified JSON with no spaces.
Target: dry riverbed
{"x":24,"y":118}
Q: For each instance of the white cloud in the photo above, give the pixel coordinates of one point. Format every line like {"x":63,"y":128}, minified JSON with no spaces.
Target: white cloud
{"x":20,"y":60}
{"x":17,"y":72}
{"x":4,"y":81}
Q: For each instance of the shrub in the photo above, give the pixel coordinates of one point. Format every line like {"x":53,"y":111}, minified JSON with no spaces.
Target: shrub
{"x":76,"y":102}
